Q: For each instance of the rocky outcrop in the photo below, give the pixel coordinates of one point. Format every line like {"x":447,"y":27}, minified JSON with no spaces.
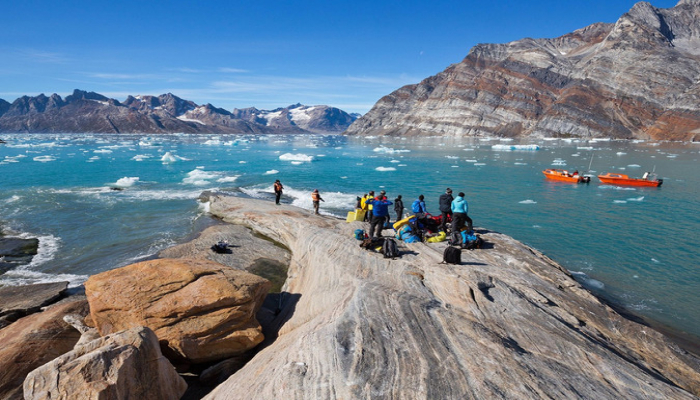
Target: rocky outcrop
{"x":33,"y":341}
{"x":123,"y":365}
{"x":16,"y":251}
{"x":92,"y":112}
{"x":507,"y":322}
{"x":246,"y":252}
{"x":638,"y":78}
{"x":200,"y":310}
{"x":19,"y":301}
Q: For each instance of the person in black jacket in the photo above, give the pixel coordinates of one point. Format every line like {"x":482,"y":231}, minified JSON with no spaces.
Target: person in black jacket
{"x":398,"y":208}
{"x":445,"y":208}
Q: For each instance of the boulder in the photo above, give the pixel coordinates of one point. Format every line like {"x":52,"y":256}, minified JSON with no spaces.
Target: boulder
{"x":200,"y":310}
{"x":123,"y":365}
{"x":507,"y":322}
{"x":18,"y":301}
{"x":33,"y":341}
{"x":16,"y":251}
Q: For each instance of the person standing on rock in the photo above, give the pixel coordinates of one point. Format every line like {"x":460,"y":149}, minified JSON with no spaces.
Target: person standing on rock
{"x":380,"y":213}
{"x":316,"y":198}
{"x":398,"y":207}
{"x":460,"y":208}
{"x":278,"y":191}
{"x":445,"y":208}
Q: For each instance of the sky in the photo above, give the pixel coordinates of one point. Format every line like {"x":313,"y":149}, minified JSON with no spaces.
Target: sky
{"x":260,"y":53}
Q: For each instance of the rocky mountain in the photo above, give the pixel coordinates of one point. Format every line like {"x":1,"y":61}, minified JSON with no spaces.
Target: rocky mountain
{"x":92,"y":112}
{"x":310,"y":118}
{"x":636,"y":78}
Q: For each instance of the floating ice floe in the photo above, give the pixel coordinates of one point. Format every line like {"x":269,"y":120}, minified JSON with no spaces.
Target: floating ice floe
{"x":102,"y":151}
{"x":620,"y":153}
{"x":199,"y":177}
{"x":168,"y":158}
{"x":634,"y":166}
{"x":228,"y":179}
{"x":389,"y":150}
{"x":297,"y":162}
{"x":271,"y":172}
{"x":452,"y":157}
{"x":479,"y":164}
{"x":296,"y":157}
{"x":385,"y":169}
{"x":512,"y":147}
{"x":127,"y":181}
{"x":141,"y":157}
{"x":528,"y":202}
{"x":640,"y":198}
{"x":44,"y":158}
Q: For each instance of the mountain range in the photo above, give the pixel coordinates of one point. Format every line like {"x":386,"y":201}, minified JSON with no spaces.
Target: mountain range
{"x":92,"y":112}
{"x":638,"y":78}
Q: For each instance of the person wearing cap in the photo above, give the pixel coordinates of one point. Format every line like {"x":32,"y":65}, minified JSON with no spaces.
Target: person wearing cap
{"x":460,"y":208}
{"x":316,"y":197}
{"x":278,"y":191}
{"x":380,"y":212}
{"x":445,"y":202}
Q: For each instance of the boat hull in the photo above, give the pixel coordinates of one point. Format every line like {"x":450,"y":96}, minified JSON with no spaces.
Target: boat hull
{"x":563,"y":176}
{"x":624,"y":180}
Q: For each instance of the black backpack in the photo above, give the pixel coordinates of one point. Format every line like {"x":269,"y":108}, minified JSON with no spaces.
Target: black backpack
{"x":390,"y":249}
{"x":452,"y":255}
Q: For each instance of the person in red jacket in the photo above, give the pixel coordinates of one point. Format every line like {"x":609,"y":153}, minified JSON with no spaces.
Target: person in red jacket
{"x":278,"y":191}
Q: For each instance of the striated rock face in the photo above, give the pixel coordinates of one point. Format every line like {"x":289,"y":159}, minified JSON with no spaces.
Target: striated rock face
{"x":637,"y":78}
{"x":200,"y":310}
{"x":92,"y":112}
{"x":124,"y":365}
{"x":506,"y":323}
{"x":33,"y":341}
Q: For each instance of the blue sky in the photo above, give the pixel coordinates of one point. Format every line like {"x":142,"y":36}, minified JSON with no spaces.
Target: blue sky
{"x":264,"y":54}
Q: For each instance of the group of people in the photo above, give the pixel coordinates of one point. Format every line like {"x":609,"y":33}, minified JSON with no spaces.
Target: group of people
{"x":454,"y":209}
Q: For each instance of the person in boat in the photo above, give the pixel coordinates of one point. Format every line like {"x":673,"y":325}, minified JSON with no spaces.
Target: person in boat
{"x":380,"y":213}
{"x":445,"y":202}
{"x":398,"y":208}
{"x":575,"y":175}
{"x":646,"y":175}
{"x":316,"y":198}
{"x":278,"y":191}
{"x":460,"y":210}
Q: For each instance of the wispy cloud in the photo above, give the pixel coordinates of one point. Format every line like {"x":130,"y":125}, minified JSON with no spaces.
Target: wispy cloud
{"x":44,"y":57}
{"x":227,"y":70}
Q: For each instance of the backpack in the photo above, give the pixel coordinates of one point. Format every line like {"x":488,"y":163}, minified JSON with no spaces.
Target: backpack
{"x":452,"y":255}
{"x":473,"y":242}
{"x":455,"y":239}
{"x":389,"y":249}
{"x":415,"y":207}
{"x":359,"y":234}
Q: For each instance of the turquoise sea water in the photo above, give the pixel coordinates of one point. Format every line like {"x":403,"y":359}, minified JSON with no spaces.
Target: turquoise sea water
{"x":637,"y":247}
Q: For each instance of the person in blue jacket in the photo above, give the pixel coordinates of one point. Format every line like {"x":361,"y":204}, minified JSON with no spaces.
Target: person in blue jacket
{"x":380,"y":213}
{"x":460,"y":208}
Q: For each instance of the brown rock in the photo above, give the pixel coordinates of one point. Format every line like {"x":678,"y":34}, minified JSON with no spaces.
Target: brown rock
{"x":199,"y":309}
{"x":33,"y":341}
{"x":124,"y":365}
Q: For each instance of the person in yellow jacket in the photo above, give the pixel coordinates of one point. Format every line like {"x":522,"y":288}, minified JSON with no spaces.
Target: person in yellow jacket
{"x":316,"y":197}
{"x":367,"y":206}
